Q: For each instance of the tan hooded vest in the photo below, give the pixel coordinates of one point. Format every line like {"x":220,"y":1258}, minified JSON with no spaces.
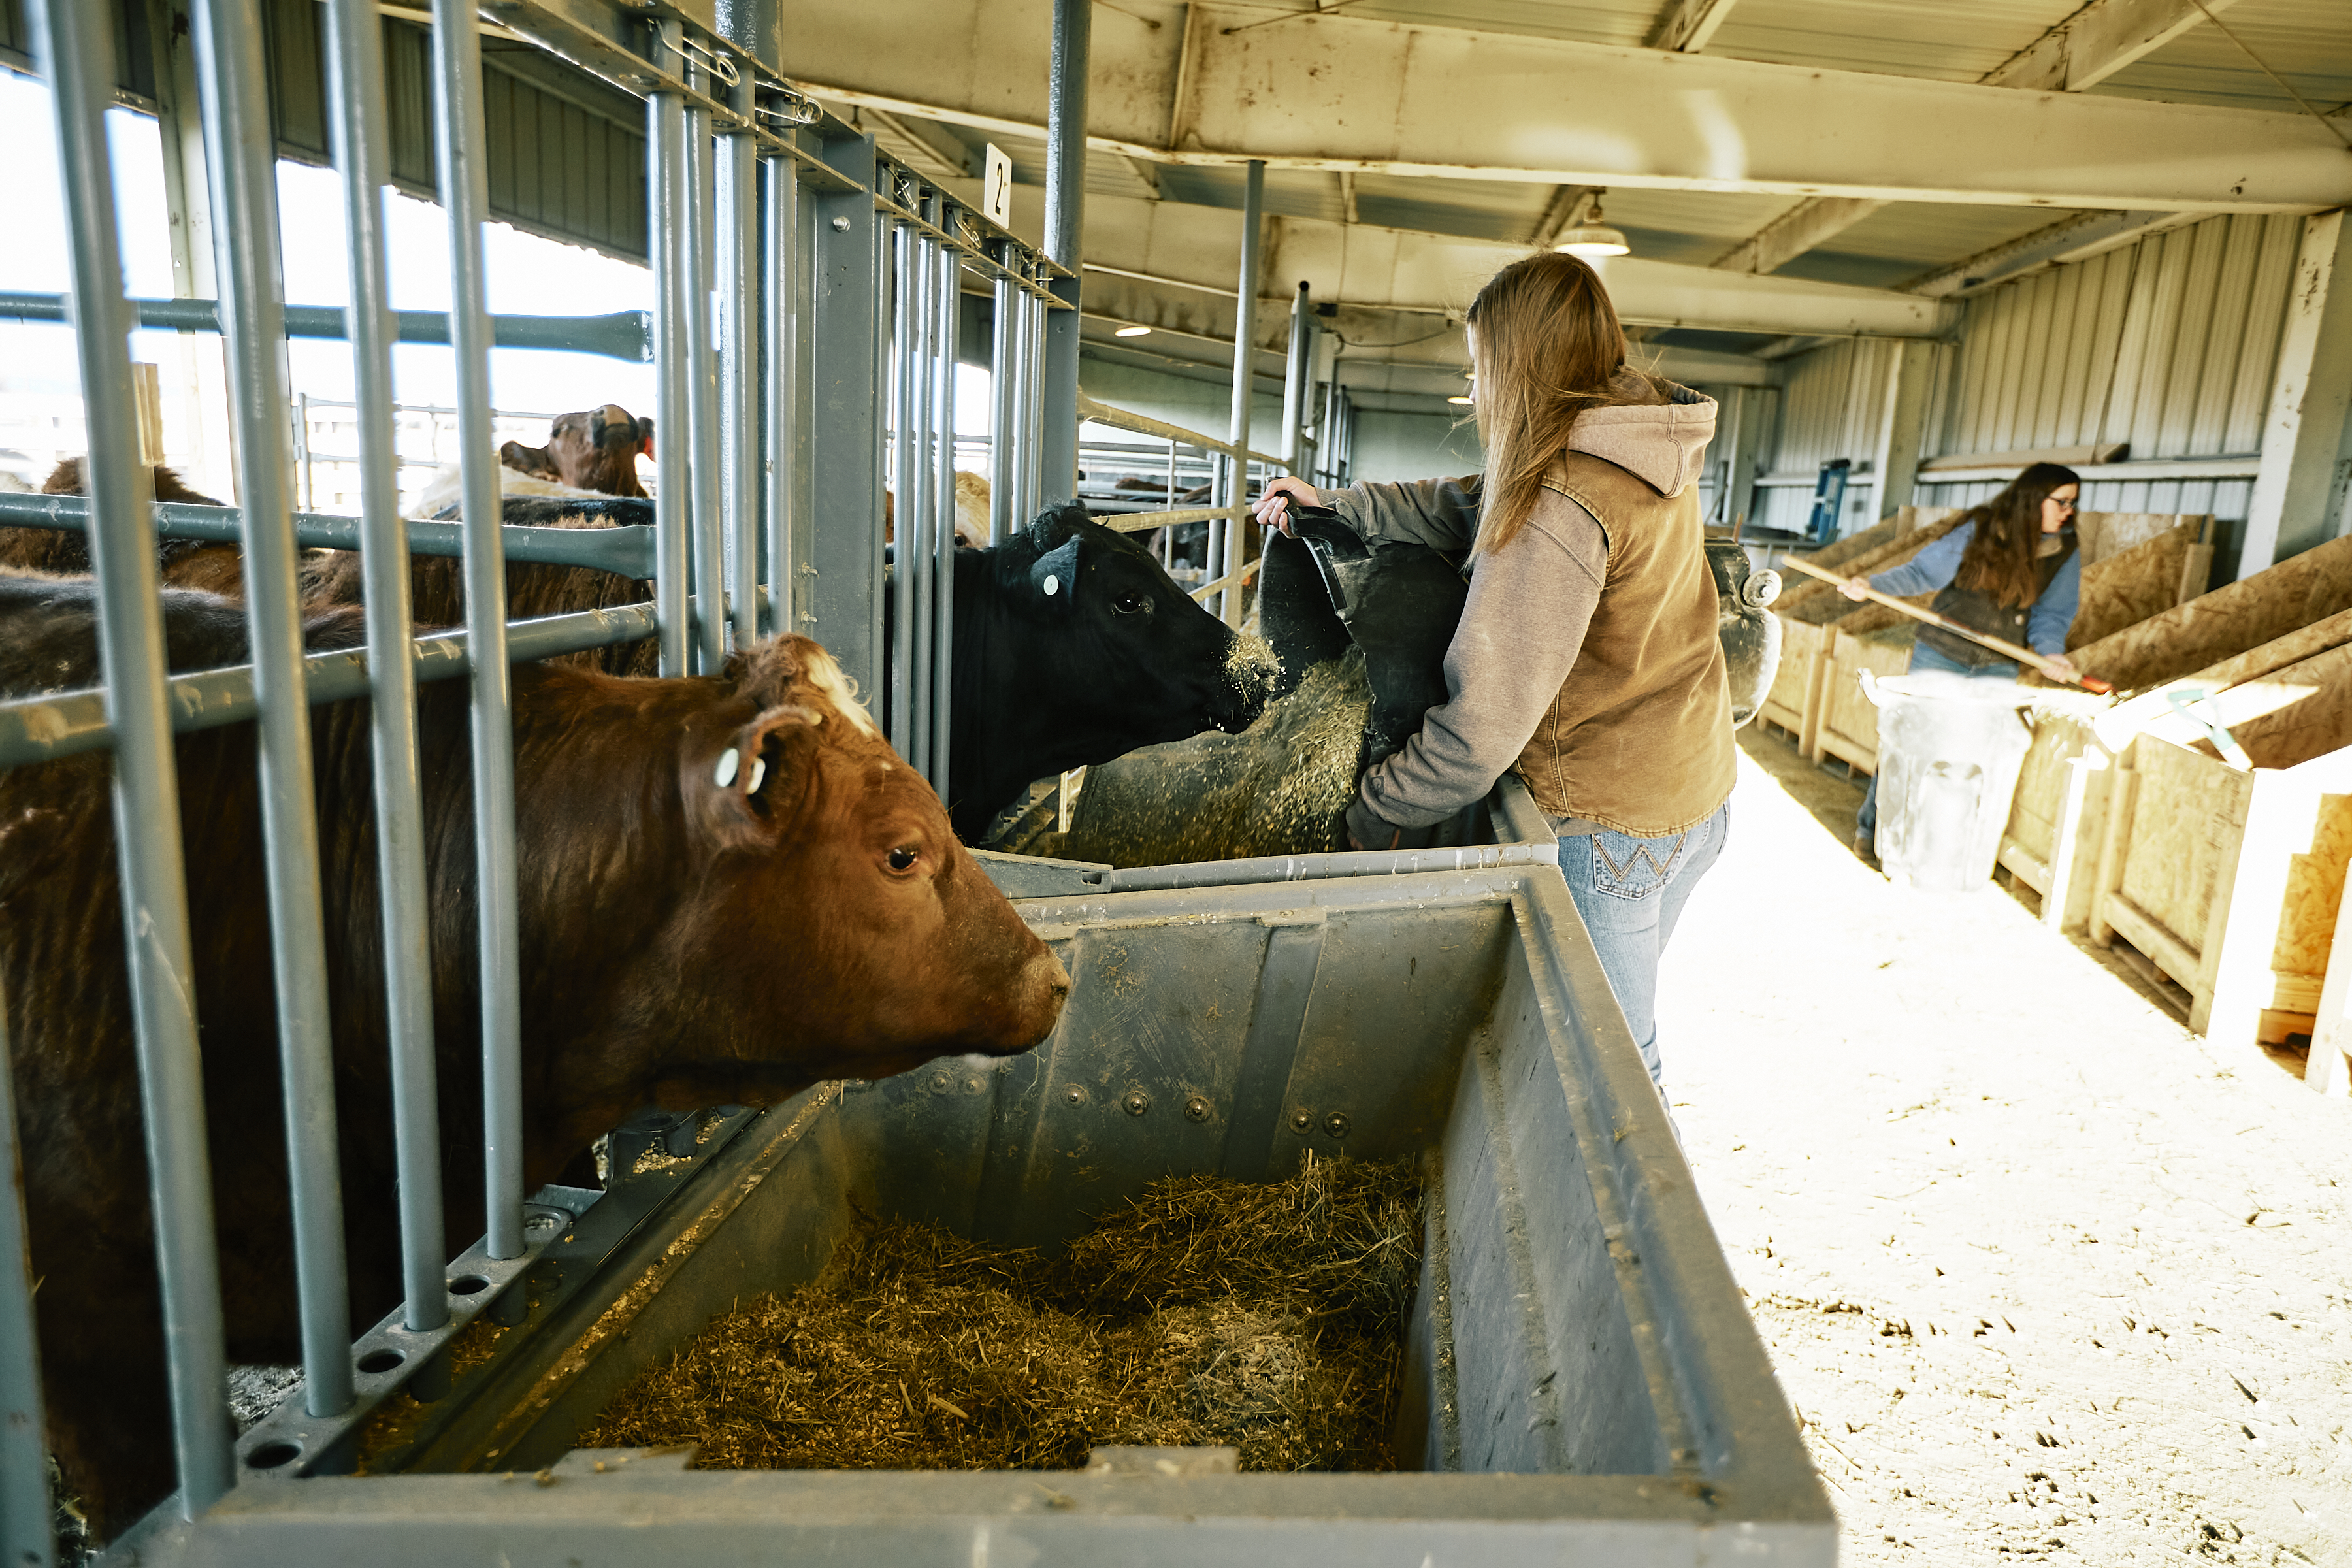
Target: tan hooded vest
{"x":1639,"y":738}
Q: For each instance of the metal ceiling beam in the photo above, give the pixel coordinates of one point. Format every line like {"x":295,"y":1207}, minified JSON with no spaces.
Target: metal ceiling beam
{"x":2088,"y":47}
{"x":2099,"y":40}
{"x":1685,"y":27}
{"x":2072,"y":238}
{"x":1378,"y":97}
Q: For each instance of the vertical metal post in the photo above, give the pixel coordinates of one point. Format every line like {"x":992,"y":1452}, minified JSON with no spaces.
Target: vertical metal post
{"x":848,"y":342}
{"x":917,"y":493}
{"x":1019,"y":435}
{"x":356,"y":89}
{"x":1001,"y":516}
{"x":903,"y":459}
{"x":739,"y":401}
{"x":1297,"y":367}
{"x":780,"y":383}
{"x":943,"y":535}
{"x":1034,"y":423}
{"x":702,"y":402}
{"x":457,"y":114}
{"x":75,"y":44}
{"x":666,"y":203}
{"x":1065,"y":195}
{"x":1245,"y":390}
{"x":242,"y":169}
{"x":25,"y":1537}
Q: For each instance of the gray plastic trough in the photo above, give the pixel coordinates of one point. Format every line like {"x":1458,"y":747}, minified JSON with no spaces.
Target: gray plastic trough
{"x":1583,"y":1383}
{"x":1506,"y":828}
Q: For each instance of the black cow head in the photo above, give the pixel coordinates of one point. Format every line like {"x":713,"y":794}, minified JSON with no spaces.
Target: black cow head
{"x":1095,"y":650}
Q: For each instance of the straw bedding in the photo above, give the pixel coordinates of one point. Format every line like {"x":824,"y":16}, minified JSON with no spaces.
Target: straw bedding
{"x":1207,"y":1312}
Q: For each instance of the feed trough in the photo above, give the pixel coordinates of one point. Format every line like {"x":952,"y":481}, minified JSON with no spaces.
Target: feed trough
{"x":1581,"y":1379}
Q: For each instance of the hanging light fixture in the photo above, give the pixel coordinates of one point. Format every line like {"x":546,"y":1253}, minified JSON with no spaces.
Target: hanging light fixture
{"x":1132,"y":333}
{"x":1591,"y":237}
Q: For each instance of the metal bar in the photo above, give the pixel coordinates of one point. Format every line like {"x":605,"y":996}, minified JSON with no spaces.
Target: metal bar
{"x":902,"y":467}
{"x":231,"y":72}
{"x":1098,"y":413}
{"x":918,"y":499}
{"x":620,"y":334}
{"x":457,"y":115}
{"x":779,"y":383}
{"x":25,"y":1536}
{"x":1236,"y":533}
{"x":1137,"y":522}
{"x":63,"y":725}
{"x":1297,"y":365}
{"x":356,"y":89}
{"x":1065,"y":195}
{"x":739,"y":370}
{"x":1020,"y":459}
{"x":74,"y":42}
{"x":1033,"y":413}
{"x":877,"y":575}
{"x":702,"y":400}
{"x":950,"y":272}
{"x":673,"y":494}
{"x":1001,"y":445}
{"x":627,"y":549}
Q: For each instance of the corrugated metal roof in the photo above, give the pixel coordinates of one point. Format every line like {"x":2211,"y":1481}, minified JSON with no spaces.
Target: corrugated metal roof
{"x":2308,"y":44}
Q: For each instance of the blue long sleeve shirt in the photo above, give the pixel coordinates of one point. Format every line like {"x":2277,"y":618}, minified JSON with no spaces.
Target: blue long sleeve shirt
{"x":1933,"y":568}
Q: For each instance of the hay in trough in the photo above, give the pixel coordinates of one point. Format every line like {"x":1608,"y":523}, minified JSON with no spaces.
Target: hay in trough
{"x":1208,"y":1311}
{"x":1280,"y":787}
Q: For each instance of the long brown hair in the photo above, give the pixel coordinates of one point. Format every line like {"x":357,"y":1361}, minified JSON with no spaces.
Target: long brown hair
{"x":1547,"y":347}
{"x":2000,"y":559}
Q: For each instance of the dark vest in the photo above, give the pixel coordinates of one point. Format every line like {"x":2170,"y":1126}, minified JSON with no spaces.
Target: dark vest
{"x":1980,"y":611}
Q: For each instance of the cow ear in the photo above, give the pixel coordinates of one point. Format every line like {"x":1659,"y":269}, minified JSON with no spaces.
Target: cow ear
{"x":525,"y":459}
{"x":1055,"y":574}
{"x":743,"y":792}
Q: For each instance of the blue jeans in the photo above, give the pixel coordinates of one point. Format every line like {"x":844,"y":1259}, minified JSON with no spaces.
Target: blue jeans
{"x":1925,"y":660}
{"x":1631,"y":891}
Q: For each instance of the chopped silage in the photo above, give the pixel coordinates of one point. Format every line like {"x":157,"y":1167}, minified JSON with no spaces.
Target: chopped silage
{"x":1279,"y":787}
{"x":1267,"y":1316}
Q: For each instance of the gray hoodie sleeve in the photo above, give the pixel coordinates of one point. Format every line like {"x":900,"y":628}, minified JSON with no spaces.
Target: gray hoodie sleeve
{"x":1520,"y":632}
{"x":1440,"y":513}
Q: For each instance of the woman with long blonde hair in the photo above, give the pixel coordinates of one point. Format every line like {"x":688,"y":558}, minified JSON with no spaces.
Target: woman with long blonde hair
{"x":1587,"y":658}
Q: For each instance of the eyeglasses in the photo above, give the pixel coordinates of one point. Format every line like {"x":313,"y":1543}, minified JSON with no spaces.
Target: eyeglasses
{"x":2061,"y":502}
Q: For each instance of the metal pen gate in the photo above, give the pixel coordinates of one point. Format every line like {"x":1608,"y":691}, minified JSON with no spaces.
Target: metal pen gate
{"x":836,"y":275}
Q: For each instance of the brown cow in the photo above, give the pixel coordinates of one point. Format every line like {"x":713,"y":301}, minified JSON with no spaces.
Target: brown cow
{"x":692,"y":933}
{"x":594,"y":449}
{"x":185,"y":562}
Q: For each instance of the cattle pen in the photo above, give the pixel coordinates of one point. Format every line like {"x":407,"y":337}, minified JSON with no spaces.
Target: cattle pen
{"x":795,"y":974}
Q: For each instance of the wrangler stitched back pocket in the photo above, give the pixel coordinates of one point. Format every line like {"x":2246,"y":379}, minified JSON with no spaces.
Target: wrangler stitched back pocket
{"x":1625,"y":866}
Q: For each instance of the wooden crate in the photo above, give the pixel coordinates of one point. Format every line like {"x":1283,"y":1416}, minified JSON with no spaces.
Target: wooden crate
{"x":2052,"y":842}
{"x":1846,"y":727}
{"x":2228,"y":881}
{"x":1793,"y":705}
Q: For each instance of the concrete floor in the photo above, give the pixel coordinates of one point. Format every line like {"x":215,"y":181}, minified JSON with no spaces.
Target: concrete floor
{"x":2046,"y":1277}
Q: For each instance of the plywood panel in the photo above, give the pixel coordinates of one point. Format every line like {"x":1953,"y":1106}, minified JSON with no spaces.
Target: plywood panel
{"x":2228,"y":621}
{"x":1849,"y":727}
{"x":2126,"y":588}
{"x":2313,"y":726}
{"x":2184,"y":830}
{"x":1828,"y":604}
{"x":1784,"y":705}
{"x":2315,"y":893}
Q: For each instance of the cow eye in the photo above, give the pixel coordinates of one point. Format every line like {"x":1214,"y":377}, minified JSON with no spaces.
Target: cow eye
{"x":1131,"y":603}
{"x":903,"y":857}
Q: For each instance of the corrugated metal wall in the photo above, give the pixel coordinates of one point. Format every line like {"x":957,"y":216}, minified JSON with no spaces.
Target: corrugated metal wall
{"x":1831,"y":406}
{"x":566,"y":151}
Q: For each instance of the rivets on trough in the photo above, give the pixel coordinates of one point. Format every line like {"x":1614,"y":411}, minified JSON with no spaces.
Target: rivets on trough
{"x":1196,"y":1108}
{"x":1075,"y":1094}
{"x":1134,"y":1102}
{"x":939,"y":1083}
{"x":1301,"y":1122}
{"x":841,"y":225}
{"x":1336,"y":1124}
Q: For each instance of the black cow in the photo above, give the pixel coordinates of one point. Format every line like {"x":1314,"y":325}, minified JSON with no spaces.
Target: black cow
{"x":1072,"y":645}
{"x":730,"y":888}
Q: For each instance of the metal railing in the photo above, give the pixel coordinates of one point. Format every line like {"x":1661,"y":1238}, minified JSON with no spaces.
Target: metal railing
{"x":1230,"y":573}
{"x":822,"y":252}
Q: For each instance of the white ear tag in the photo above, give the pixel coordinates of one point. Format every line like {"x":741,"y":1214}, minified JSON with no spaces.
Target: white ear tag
{"x":728,"y":762}
{"x":758,"y":772}
{"x":1053,"y":585}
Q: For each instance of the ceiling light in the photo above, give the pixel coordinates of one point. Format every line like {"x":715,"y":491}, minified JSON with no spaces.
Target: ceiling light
{"x":1131,"y":332}
{"x":1593,"y":239}
{"x":1464,"y":401}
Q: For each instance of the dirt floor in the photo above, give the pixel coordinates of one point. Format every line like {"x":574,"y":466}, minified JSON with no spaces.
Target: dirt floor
{"x":2045,"y":1276}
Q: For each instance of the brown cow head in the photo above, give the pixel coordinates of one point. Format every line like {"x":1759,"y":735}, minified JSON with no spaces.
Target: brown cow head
{"x":594,"y":449}
{"x":826,"y":923}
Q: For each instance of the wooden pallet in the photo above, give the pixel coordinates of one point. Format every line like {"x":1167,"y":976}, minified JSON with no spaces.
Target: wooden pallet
{"x":1846,"y":726}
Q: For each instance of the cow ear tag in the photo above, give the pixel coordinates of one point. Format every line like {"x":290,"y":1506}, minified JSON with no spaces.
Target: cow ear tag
{"x":1056,"y":572}
{"x":759,"y":772}
{"x":727,"y":763}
